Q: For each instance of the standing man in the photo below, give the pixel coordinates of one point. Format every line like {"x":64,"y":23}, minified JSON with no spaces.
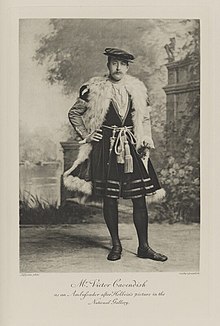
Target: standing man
{"x":111,"y":116}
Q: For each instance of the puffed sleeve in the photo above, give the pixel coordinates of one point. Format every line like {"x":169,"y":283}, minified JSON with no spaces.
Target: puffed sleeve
{"x":84,"y":93}
{"x":77,"y":110}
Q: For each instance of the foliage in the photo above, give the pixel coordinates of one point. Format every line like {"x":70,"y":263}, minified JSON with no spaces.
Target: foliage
{"x":181,"y":182}
{"x":180,"y":175}
{"x":72,"y":52}
{"x":35,"y":210}
{"x":36,"y":145}
{"x":39,"y":144}
{"x":72,"y":55}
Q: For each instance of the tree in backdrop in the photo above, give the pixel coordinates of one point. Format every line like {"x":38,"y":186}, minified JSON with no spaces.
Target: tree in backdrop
{"x":72,"y":52}
{"x":36,"y":145}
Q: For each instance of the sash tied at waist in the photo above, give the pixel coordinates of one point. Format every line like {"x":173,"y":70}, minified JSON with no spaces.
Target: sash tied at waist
{"x":119,"y":143}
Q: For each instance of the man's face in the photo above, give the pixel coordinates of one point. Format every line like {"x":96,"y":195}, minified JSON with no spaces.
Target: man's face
{"x":117,"y":68}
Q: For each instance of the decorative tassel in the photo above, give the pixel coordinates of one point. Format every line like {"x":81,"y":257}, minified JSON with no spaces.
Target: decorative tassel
{"x":121,"y":151}
{"x":112,"y":140}
{"x":128,"y":167}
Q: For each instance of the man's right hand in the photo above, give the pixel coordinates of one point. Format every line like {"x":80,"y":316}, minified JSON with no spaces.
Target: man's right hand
{"x":95,"y":136}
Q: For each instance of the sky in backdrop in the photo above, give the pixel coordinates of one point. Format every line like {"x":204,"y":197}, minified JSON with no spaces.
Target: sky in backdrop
{"x":41,"y":105}
{"x":44,"y":108}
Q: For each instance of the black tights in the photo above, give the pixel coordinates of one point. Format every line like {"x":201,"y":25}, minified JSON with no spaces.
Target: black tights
{"x":140,"y":218}
{"x":110,"y":210}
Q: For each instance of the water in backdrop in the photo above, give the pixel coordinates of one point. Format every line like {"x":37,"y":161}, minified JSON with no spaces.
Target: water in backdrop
{"x":44,"y":181}
{"x":41,"y":180}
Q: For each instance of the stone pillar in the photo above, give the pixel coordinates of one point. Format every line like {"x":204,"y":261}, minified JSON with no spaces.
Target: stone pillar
{"x":70,"y":152}
{"x":183,"y":87}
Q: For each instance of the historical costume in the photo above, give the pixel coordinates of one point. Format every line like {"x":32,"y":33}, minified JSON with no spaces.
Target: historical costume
{"x":118,"y":165}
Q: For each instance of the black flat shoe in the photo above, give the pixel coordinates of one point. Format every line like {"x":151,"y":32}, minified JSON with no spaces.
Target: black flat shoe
{"x":149,"y":253}
{"x":115,"y":253}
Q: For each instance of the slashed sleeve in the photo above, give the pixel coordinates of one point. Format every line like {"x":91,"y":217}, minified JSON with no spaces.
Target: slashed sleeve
{"x":76,"y":112}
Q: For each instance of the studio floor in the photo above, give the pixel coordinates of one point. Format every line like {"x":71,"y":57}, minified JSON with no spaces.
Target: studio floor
{"x":84,"y":247}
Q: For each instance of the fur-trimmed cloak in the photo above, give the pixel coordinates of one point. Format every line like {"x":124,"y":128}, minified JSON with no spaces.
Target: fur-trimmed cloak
{"x":94,"y":112}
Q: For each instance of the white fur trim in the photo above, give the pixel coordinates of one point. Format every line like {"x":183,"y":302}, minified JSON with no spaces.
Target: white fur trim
{"x":97,"y":107}
{"x":84,"y":151}
{"x":99,"y":99}
{"x":158,"y":196}
{"x":77,"y":184}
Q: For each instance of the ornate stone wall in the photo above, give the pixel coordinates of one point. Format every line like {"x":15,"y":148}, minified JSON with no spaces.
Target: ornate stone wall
{"x":182,"y":89}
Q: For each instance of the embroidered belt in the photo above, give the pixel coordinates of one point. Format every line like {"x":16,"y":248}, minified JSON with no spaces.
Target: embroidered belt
{"x":122,"y":148}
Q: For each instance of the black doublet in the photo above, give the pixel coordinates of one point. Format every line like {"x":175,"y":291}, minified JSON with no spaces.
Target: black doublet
{"x":107,"y":176}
